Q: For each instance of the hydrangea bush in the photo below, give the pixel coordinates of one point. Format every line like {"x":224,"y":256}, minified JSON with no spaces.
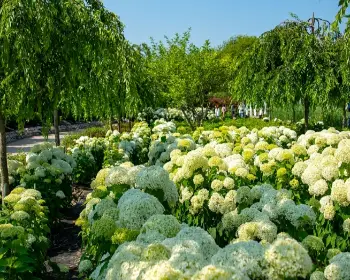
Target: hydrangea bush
{"x":120,"y":204}
{"x":49,"y":170}
{"x":166,"y":249}
{"x":23,"y":235}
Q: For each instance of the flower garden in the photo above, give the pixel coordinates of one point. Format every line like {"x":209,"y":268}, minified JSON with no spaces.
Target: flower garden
{"x":229,"y":203}
{"x":178,"y":190}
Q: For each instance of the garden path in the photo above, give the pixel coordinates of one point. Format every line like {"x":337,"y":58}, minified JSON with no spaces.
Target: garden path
{"x":26,"y":143}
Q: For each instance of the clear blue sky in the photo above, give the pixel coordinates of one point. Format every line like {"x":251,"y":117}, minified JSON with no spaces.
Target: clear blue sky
{"x":216,"y":20}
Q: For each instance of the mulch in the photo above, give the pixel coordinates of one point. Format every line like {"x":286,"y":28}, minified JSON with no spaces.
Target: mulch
{"x":65,"y":247}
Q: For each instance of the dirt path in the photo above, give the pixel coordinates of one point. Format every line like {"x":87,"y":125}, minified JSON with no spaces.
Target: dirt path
{"x":65,"y":247}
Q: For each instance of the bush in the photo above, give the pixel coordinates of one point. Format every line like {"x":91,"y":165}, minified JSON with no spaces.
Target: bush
{"x":49,"y":170}
{"x":86,"y":167}
{"x":23,"y":232}
{"x":95,"y":132}
{"x":69,"y":140}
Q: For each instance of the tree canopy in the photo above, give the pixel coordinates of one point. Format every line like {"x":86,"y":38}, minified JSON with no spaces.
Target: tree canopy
{"x":187,"y":74}
{"x":292,"y":63}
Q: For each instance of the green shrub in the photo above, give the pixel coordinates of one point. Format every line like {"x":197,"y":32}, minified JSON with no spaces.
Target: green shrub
{"x":86,"y":168}
{"x":21,"y":157}
{"x":49,"y":170}
{"x":23,"y":232}
{"x":95,"y":132}
{"x":69,"y":140}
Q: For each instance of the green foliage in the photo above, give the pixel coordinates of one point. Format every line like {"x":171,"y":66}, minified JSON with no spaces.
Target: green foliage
{"x":94,"y":132}
{"x":290,"y":64}
{"x":187,"y":74}
{"x":23,"y":231}
{"x":49,"y":170}
{"x":69,"y":140}
{"x":343,"y":7}
{"x":86,"y":168}
{"x":249,"y":123}
{"x":112,"y":156}
{"x":21,"y":157}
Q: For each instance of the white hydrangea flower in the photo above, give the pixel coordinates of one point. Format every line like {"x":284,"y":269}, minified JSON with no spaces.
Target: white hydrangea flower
{"x":311,"y":175}
{"x":339,"y":192}
{"x":229,"y":183}
{"x":60,"y":194}
{"x":298,"y":168}
{"x":117,"y":176}
{"x":216,"y":202}
{"x":338,"y":269}
{"x":198,"y":179}
{"x":246,"y":257}
{"x":186,"y":194}
{"x":287,"y":258}
{"x":217,"y":185}
{"x":135,"y":207}
{"x":319,"y":188}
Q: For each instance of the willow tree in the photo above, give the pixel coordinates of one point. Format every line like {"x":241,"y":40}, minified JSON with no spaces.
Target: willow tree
{"x":343,"y":8}
{"x":84,"y":67}
{"x":116,"y":84}
{"x":255,"y":72}
{"x":24,"y":34}
{"x":343,"y":57}
{"x":67,"y":55}
{"x":291,"y":63}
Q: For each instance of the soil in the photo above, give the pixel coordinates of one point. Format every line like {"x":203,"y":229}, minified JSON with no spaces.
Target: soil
{"x":65,"y":247}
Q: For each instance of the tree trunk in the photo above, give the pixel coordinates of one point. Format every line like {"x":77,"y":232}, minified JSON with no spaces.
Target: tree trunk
{"x":3,"y":159}
{"x":294,"y":113}
{"x":345,"y":121}
{"x":120,"y":125}
{"x":193,"y":127}
{"x":111,"y":123}
{"x":130,"y":125}
{"x":56,"y":121}
{"x":306,"y":113}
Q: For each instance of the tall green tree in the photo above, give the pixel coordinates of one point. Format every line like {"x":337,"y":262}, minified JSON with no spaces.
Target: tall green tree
{"x":24,"y":34}
{"x":60,"y":55}
{"x":291,"y":63}
{"x":188,"y":75}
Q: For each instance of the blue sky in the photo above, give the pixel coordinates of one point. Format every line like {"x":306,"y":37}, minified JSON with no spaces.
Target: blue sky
{"x":216,"y":20}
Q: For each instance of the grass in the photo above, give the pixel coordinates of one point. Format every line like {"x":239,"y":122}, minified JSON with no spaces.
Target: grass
{"x":331,"y":117}
{"x":250,"y":123}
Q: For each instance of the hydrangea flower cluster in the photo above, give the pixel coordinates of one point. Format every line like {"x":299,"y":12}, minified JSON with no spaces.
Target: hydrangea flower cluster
{"x":109,"y":220}
{"x":160,"y":149}
{"x":49,"y":170}
{"x":155,"y":180}
{"x":167,"y":250}
{"x":216,"y":172}
{"x":23,"y":223}
{"x":135,"y":144}
{"x":267,"y":211}
{"x":14,"y":167}
{"x":161,"y":126}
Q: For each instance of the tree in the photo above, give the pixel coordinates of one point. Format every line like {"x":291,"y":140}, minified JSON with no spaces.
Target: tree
{"x":187,"y":75}
{"x":24,"y":27}
{"x":343,"y":7}
{"x":59,"y":55}
{"x":85,"y":61}
{"x":235,"y":47}
{"x":291,"y":63}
